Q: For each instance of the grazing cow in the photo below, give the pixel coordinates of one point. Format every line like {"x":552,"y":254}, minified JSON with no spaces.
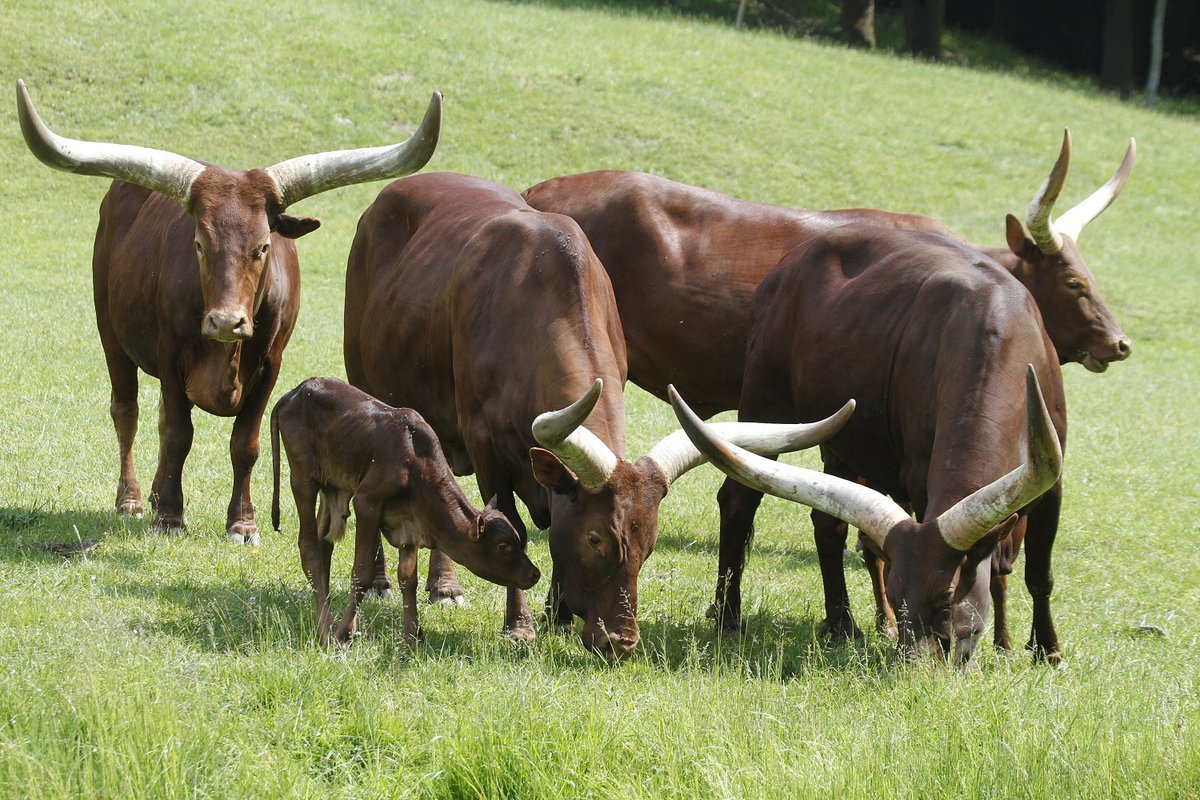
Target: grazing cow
{"x":685,"y":261}
{"x":947,"y":344}
{"x":196,"y":282}
{"x":469,"y":306}
{"x":348,"y":447}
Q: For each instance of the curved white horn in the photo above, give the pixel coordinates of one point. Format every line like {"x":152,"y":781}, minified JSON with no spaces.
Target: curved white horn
{"x":675,"y":454}
{"x":562,"y":433}
{"x":968,"y":520}
{"x":159,"y":170}
{"x":1037,"y":216}
{"x":301,"y":177}
{"x":1072,"y":222}
{"x":872,"y":513}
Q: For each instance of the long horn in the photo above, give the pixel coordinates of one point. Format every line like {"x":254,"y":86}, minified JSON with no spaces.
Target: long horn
{"x":1072,"y":222}
{"x":298,"y":178}
{"x":966,"y":522}
{"x":159,"y":170}
{"x":562,"y":433}
{"x":1037,"y":216}
{"x":872,"y":513}
{"x":676,"y":454}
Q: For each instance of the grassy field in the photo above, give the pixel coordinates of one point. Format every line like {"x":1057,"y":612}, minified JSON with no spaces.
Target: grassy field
{"x":187,"y":667}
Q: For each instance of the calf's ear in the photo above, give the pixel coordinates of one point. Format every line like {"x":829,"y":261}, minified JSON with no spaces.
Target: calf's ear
{"x":552,"y":473}
{"x":294,"y":227}
{"x":475,"y":533}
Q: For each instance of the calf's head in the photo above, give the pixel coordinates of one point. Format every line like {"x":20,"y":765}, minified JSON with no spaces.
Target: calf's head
{"x":236,"y":213}
{"x":1078,"y":320}
{"x":494,"y":551}
{"x":939,"y":575}
{"x":604,"y":510}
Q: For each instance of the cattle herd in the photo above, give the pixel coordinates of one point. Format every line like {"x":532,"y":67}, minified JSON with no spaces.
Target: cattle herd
{"x":492,"y":332}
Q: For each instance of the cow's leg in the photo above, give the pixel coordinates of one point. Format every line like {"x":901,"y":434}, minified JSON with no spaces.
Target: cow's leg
{"x":382,"y":585}
{"x":122,"y":374}
{"x":406,"y":576}
{"x":885,"y":617}
{"x":442,"y":581}
{"x":518,"y":620}
{"x":830,"y":535}
{"x":1002,"y":566}
{"x":243,"y":453}
{"x":315,"y":550}
{"x":738,"y":507}
{"x":366,"y":539}
{"x":1041,"y":529}
{"x":174,"y":443}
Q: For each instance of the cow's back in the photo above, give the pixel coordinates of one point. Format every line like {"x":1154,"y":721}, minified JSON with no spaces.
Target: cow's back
{"x":929,"y":337}
{"x":480,"y":313}
{"x":684,"y":264}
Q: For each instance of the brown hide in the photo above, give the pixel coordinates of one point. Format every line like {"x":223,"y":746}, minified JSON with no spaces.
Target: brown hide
{"x":342,"y":444}
{"x":685,"y":261}
{"x":469,"y":306}
{"x":942,"y":336}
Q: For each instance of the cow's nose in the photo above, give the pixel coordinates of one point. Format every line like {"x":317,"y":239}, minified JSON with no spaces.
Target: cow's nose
{"x":1124,"y":348}
{"x":226,"y":326}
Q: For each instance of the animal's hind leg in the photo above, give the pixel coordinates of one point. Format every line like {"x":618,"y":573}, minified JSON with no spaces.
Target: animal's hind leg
{"x":316,"y":552}
{"x":122,"y":374}
{"x":406,"y":576}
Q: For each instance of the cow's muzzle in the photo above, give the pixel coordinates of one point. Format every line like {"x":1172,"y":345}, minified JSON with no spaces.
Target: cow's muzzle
{"x":226,"y":326}
{"x":1119,"y":350}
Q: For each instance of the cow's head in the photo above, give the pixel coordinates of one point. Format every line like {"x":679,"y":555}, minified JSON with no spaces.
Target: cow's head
{"x":236,"y":213}
{"x":1076,"y":316}
{"x":604,"y":510}
{"x":938,"y":581}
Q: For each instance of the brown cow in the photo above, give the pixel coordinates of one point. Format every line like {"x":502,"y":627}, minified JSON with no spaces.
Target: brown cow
{"x":947,"y":345}
{"x":685,"y":261}
{"x":197,"y":283}
{"x":346,"y":446}
{"x":469,"y":306}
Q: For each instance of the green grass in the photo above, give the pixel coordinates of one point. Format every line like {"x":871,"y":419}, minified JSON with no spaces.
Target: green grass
{"x":185,"y":667}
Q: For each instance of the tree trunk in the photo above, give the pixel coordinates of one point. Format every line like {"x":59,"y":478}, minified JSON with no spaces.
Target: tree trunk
{"x":923,"y":27}
{"x":741,"y":14}
{"x":1156,"y":52}
{"x":1117,"y":69}
{"x":858,"y":22}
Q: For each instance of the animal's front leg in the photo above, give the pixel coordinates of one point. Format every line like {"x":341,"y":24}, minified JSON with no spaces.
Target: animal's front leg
{"x":243,"y":452}
{"x":174,"y":443}
{"x":738,"y":507}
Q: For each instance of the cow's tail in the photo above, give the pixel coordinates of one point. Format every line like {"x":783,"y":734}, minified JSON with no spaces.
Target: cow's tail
{"x":275,"y":465}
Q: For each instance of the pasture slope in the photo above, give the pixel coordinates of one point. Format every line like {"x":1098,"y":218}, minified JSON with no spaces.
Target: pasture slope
{"x":186,"y":667}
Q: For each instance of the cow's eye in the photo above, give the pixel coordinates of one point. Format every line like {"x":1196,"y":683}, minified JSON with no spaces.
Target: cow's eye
{"x":261,"y":252}
{"x":593,"y":538}
{"x":1074,"y":283}
{"x":504,"y":547}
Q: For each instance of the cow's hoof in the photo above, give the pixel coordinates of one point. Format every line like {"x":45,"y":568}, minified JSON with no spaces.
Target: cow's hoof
{"x":381,"y":589}
{"x":520,"y":633}
{"x":243,"y":532}
{"x":169,"y":526}
{"x":130,"y":508}
{"x":840,"y":631}
{"x":447,"y":595}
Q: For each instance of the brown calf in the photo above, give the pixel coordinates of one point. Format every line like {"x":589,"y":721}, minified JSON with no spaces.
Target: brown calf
{"x":350,"y":448}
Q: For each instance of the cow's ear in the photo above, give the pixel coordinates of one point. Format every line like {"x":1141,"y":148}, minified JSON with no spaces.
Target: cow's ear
{"x":1021,"y":245}
{"x":552,"y":473}
{"x":494,"y":503}
{"x":294,"y":227}
{"x":984,"y":547}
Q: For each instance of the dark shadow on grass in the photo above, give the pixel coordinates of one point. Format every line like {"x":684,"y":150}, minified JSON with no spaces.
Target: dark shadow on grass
{"x":43,"y":532}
